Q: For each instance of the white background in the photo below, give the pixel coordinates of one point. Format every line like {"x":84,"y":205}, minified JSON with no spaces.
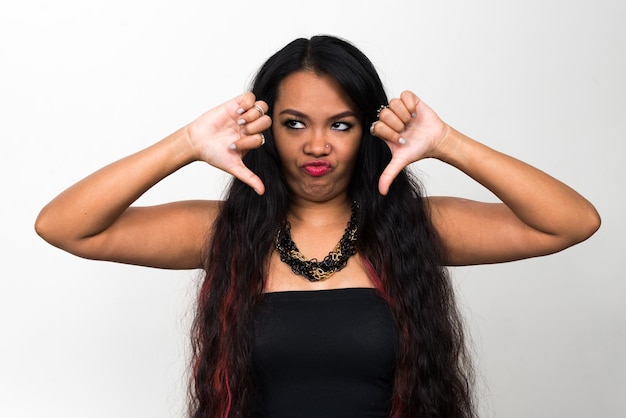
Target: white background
{"x":83,"y":83}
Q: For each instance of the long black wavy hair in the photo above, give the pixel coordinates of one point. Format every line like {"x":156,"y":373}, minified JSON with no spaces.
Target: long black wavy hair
{"x":397,"y":243}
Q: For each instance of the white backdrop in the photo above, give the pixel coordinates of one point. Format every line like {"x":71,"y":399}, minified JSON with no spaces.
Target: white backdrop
{"x":83,"y":83}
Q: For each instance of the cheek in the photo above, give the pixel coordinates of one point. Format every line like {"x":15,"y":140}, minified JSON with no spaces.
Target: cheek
{"x":351,"y":146}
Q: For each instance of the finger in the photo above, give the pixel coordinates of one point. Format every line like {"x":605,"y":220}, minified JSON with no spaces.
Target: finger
{"x":392,"y":120}
{"x":245,"y":102}
{"x":388,"y":175}
{"x":244,"y":174}
{"x":248,"y":142}
{"x":259,"y":125}
{"x":386,"y":133}
{"x":256,"y":111}
{"x":400,"y":109}
{"x":411,"y":101}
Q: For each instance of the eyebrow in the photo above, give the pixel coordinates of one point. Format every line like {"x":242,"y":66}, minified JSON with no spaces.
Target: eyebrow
{"x":347,"y":113}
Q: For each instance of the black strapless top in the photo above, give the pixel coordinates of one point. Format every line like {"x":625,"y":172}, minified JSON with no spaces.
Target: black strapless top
{"x":324,"y":354}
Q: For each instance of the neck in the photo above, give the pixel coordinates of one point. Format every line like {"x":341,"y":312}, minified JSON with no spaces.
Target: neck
{"x":320,"y":214}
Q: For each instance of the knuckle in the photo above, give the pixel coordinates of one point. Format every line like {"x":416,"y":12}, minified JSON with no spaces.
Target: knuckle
{"x":407,"y":94}
{"x":394,"y":102}
{"x":385,"y":115}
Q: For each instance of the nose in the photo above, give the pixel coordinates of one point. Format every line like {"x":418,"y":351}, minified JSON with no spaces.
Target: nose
{"x":316,"y":144}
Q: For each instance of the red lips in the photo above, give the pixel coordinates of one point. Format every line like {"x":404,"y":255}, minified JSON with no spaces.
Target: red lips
{"x":316,"y":168}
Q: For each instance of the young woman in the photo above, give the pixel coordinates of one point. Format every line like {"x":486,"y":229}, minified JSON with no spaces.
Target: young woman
{"x":325,"y":290}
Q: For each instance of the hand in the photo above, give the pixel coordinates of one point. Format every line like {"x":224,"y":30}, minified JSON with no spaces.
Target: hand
{"x":223,"y":135}
{"x":412,"y":130}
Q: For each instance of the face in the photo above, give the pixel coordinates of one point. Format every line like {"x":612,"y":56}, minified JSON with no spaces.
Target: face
{"x":317,"y":135}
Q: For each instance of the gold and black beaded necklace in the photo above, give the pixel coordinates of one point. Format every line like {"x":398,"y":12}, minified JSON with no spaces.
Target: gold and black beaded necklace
{"x":312,"y":269}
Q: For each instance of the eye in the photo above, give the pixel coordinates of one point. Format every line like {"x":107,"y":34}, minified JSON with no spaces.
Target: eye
{"x":341,"y":126}
{"x":294,"y":124}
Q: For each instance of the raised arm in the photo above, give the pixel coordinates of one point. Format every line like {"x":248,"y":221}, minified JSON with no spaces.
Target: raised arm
{"x":538,"y":215}
{"x":94,"y":217}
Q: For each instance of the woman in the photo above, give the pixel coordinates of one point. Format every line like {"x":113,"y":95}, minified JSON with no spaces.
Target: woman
{"x":372,"y":329}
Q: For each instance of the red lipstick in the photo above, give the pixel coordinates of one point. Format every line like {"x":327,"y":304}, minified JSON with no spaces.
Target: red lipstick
{"x":316,"y":168}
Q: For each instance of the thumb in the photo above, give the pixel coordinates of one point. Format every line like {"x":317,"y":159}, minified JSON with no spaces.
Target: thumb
{"x":244,"y":174}
{"x":388,"y":176}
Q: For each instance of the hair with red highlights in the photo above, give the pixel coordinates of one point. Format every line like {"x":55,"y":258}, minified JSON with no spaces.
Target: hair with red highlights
{"x":397,"y":243}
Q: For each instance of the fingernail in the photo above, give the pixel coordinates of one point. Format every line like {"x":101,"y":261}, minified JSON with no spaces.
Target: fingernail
{"x":233,"y":146}
{"x":240,"y":111}
{"x":413,"y":115}
{"x":401,"y":141}
{"x":241,"y":122}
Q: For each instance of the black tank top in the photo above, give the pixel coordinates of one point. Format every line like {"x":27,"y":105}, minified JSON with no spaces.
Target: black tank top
{"x":324,"y":354}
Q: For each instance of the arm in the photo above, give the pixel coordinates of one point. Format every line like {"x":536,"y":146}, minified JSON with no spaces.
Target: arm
{"x":94,"y":219}
{"x":538,"y":215}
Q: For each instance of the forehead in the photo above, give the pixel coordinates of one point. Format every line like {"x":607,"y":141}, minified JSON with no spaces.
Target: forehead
{"x":309,"y":90}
